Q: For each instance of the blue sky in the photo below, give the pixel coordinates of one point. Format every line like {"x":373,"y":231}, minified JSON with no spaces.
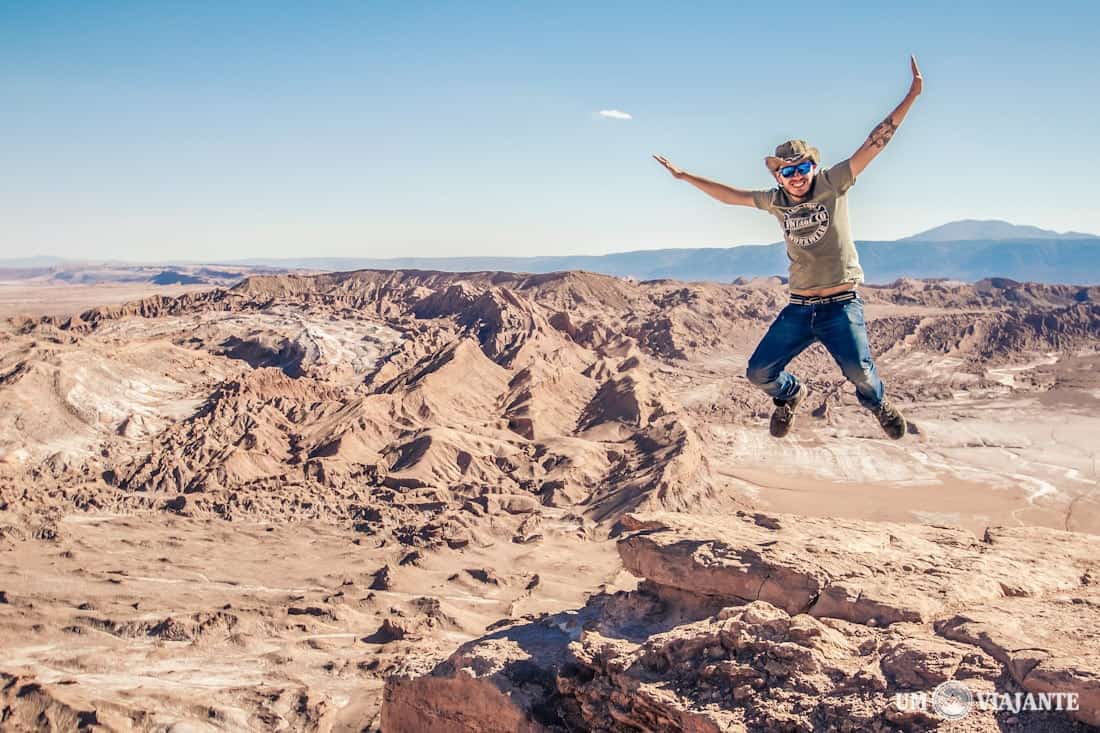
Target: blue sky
{"x":220,"y":130}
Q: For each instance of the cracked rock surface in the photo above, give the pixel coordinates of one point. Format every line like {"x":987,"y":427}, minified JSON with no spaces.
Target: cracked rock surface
{"x":768,"y":622}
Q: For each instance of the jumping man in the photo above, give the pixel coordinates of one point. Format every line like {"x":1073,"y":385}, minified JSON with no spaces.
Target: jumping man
{"x":812,"y":208}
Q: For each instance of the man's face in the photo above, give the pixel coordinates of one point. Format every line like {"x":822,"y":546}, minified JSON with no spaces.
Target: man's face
{"x":799,"y":183}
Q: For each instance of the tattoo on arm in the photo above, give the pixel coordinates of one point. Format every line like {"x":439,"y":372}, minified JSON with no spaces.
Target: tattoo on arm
{"x":882,"y":134}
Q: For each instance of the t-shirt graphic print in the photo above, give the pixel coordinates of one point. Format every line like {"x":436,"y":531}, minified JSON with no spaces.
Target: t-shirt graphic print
{"x":805,"y":225}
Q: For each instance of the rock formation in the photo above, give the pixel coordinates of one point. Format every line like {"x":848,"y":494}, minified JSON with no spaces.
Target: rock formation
{"x":317,"y":482}
{"x":768,"y":622}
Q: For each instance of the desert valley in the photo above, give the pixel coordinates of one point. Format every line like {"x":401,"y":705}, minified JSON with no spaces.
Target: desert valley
{"x":416,"y":500}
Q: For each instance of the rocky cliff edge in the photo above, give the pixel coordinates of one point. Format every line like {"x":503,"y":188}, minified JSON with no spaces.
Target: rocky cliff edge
{"x":765,"y":622}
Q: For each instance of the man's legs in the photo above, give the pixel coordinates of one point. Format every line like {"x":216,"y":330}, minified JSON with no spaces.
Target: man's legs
{"x":788,"y":336}
{"x":841,"y":328}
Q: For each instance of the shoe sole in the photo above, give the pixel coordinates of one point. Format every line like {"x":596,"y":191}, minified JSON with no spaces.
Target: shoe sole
{"x":779,"y":432}
{"x":804,"y":392}
{"x":899,"y":436}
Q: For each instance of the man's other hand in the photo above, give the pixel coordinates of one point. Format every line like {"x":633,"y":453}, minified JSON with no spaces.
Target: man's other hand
{"x":918,"y":81}
{"x":671,"y":168}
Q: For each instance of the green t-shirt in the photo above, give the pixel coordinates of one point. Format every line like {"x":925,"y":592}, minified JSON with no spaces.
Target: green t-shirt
{"x":820,"y":248}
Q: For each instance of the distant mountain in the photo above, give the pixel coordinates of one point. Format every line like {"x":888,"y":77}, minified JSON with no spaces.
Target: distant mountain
{"x":1069,"y":261}
{"x":172,"y":277}
{"x":985,"y":229}
{"x":1048,"y":257}
{"x":682,"y":264}
{"x":1072,"y":261}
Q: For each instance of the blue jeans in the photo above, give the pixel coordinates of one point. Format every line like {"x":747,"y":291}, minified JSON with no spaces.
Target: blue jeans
{"x":839,"y":327}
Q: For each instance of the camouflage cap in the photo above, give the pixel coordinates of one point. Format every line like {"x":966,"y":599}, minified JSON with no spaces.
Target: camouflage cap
{"x":790,"y":152}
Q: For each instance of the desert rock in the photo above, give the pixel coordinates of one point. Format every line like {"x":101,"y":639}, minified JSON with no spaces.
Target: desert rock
{"x":728,"y":632}
{"x":275,"y":482}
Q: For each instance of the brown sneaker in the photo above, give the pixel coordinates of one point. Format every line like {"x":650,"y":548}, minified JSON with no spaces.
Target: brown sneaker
{"x":783,"y":415}
{"x":892,"y":421}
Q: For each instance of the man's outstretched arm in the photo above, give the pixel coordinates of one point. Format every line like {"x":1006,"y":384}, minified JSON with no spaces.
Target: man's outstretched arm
{"x":882,"y":134}
{"x":722,"y":192}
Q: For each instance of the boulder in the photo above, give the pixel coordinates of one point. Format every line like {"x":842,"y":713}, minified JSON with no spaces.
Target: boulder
{"x":762,"y":622}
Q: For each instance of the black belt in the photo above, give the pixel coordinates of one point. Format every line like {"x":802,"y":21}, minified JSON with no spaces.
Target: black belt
{"x":822,"y":299}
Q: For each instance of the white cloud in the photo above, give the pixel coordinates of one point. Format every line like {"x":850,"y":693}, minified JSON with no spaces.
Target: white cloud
{"x":614,"y":114}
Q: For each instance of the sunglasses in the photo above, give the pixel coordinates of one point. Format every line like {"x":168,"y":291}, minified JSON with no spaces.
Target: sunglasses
{"x":802,"y":168}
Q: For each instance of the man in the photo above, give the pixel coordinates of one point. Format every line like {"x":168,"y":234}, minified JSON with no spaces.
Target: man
{"x":812,"y":208}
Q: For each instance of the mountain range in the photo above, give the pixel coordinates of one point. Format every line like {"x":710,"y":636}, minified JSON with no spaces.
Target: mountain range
{"x":971,"y":229}
{"x":967,"y":250}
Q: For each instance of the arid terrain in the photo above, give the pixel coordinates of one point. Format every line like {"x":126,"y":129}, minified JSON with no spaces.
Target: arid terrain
{"x":247,"y":508}
{"x":20,"y":299}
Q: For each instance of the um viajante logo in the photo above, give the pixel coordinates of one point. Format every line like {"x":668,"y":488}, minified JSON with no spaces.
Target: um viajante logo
{"x":954,"y":700}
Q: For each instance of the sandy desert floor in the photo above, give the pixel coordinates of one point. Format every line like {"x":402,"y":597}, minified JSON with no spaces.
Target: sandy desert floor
{"x":245,"y":509}
{"x":996,"y":457}
{"x":228,"y":626}
{"x":18,"y":298}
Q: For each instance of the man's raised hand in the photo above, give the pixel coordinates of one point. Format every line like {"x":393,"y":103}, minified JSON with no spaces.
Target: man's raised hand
{"x":671,"y":168}
{"x":918,"y":81}
{"x":884,"y":132}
